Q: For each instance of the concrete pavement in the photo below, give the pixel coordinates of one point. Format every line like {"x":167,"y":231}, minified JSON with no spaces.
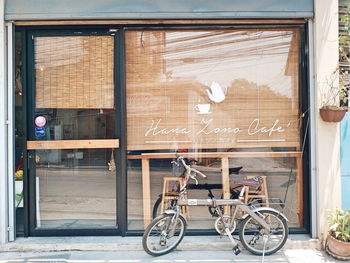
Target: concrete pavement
{"x":117,"y":243}
{"x":178,"y":256}
{"x":193,"y":249}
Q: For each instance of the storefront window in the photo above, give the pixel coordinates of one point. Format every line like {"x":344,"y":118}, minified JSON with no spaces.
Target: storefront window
{"x":231,"y":93}
{"x":19,"y":136}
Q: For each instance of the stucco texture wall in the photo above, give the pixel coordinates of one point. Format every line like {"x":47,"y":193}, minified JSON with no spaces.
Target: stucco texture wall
{"x":327,"y":134}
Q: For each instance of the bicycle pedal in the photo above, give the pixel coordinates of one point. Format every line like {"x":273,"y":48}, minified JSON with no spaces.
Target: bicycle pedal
{"x":236,"y":250}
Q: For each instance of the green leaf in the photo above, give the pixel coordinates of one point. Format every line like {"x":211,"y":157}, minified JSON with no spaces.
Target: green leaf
{"x":340,"y":224}
{"x":18,"y":197}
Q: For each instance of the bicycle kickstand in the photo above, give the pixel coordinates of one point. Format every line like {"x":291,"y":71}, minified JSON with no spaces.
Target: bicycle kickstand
{"x":236,"y":249}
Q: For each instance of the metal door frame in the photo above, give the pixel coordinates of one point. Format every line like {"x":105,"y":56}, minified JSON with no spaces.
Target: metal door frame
{"x":30,"y":194}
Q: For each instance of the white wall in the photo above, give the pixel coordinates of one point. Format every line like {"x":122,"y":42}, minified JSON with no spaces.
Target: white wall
{"x":327,"y":140}
{"x":3,"y":130}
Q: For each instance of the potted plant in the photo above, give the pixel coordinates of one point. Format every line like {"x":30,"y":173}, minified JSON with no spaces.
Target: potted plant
{"x":338,"y":239}
{"x":335,"y":98}
{"x":333,"y":107}
{"x":333,"y":102}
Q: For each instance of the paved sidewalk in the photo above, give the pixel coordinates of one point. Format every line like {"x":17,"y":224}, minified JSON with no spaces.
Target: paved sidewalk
{"x":206,"y":249}
{"x":177,"y":256}
{"x":112,"y":243}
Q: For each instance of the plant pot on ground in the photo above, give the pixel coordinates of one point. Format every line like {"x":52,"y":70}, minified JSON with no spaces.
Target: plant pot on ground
{"x":338,"y":240}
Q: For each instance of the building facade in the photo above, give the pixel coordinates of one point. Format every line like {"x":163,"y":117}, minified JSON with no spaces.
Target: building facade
{"x":345,"y":167}
{"x":97,"y":101}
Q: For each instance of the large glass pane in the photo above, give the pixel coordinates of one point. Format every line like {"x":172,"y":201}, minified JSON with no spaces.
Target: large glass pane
{"x":217,"y":91}
{"x":74,"y":101}
{"x":75,"y":189}
{"x":19,"y":136}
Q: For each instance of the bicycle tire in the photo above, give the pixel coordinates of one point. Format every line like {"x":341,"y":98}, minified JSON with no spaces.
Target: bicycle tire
{"x":156,"y":207}
{"x":160,"y":226}
{"x":278,"y":234}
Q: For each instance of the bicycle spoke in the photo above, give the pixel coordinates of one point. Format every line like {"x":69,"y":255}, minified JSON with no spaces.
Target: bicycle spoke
{"x":252,"y":234}
{"x":163,"y":234}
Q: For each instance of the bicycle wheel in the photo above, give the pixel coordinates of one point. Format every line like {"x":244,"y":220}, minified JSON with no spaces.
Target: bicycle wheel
{"x":156,"y":207}
{"x":169,"y":204}
{"x":163,"y":234}
{"x":254,"y":237}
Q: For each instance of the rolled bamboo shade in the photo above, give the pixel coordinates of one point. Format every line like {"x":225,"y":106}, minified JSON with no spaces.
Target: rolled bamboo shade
{"x":74,"y":72}
{"x":169,"y":74}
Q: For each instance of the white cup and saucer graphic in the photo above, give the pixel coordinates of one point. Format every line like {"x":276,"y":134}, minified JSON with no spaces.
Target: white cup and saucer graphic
{"x":203,"y":108}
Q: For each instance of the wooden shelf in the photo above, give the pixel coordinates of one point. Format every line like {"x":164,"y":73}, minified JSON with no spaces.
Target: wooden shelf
{"x":216,"y":155}
{"x":72,"y":144}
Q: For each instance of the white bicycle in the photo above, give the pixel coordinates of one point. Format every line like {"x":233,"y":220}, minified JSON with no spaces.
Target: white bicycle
{"x":262,"y":230}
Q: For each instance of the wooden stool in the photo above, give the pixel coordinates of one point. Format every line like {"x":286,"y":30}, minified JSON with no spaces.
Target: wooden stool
{"x":171,"y":188}
{"x":257,"y":193}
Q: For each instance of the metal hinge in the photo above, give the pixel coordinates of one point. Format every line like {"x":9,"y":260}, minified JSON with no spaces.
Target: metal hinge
{"x":9,"y":229}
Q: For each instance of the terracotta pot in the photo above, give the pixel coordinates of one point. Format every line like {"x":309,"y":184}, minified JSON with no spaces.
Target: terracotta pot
{"x":332,"y":114}
{"x":338,"y":249}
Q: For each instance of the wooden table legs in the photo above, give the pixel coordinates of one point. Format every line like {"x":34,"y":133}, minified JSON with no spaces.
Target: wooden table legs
{"x":146,"y":187}
{"x":146,"y":192}
{"x":300,"y":180}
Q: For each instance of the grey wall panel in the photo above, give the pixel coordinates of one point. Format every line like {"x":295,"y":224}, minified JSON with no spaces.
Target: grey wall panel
{"x":134,"y":9}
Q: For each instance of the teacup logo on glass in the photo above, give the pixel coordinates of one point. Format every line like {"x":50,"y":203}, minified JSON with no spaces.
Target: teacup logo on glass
{"x":203,"y":108}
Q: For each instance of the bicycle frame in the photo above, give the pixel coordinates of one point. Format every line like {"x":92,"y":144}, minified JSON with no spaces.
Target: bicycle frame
{"x":217,"y":202}
{"x":225,"y":202}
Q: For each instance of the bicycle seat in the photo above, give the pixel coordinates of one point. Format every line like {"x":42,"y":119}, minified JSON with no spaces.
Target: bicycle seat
{"x":234,"y":170}
{"x":252,"y":182}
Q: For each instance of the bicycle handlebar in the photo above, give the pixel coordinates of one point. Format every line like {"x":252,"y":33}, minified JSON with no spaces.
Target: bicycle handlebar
{"x":190,"y":169}
{"x":198,"y":173}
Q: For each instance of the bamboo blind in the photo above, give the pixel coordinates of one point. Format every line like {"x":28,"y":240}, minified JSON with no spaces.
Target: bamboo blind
{"x":169,"y":73}
{"x":74,"y":72}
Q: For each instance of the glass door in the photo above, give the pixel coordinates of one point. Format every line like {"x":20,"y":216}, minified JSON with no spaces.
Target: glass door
{"x":72,"y":133}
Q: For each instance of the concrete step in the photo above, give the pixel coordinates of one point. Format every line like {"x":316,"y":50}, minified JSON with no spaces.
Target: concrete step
{"x":49,"y":244}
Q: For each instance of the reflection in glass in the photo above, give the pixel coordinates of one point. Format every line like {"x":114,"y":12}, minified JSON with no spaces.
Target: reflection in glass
{"x":74,"y":100}
{"x":212,"y":89}
{"x":19,"y":136}
{"x":219,"y":91}
{"x":75,"y":189}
